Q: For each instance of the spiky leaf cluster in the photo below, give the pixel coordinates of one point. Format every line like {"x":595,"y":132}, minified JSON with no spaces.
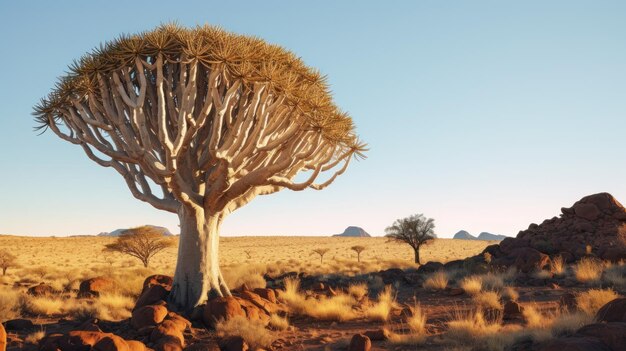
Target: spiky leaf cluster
{"x":249,"y":59}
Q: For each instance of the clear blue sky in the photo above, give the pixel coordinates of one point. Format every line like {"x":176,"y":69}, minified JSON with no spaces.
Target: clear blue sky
{"x":485,"y":115}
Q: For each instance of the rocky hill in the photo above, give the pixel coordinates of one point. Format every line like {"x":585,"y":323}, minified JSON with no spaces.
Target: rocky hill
{"x":353,"y":232}
{"x":594,"y":226}
{"x":118,"y":232}
{"x":464,"y":235}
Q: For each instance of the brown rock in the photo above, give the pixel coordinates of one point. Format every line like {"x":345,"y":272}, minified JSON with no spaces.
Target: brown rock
{"x":377,"y":335}
{"x":152,"y":296}
{"x":260,"y":302}
{"x":134,"y":345}
{"x":587,"y":211}
{"x":234,"y":343}
{"x":612,"y":334}
{"x":168,"y":329}
{"x":19,"y":324}
{"x":512,"y":310}
{"x":42,"y":289}
{"x":528,"y":259}
{"x":267,"y":294}
{"x":148,"y":316}
{"x":94,"y":286}
{"x":181,"y":323}
{"x":613,"y":311}
{"x":455,"y":291}
{"x":50,"y":342}
{"x":3,"y":338}
{"x":360,"y":342}
{"x":80,"y":340}
{"x":111,"y":343}
{"x":575,"y":344}
{"x":158,"y":279}
{"x":168,"y":343}
{"x":89,"y":325}
{"x":222,"y":308}
{"x":203,"y":346}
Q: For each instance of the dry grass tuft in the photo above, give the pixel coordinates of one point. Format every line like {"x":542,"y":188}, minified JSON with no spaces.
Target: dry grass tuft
{"x":278,"y":323}
{"x":557,"y":265}
{"x":10,"y":302}
{"x":253,"y":332}
{"x":469,"y":325}
{"x":510,"y":293}
{"x":358,"y":291}
{"x":436,"y":281}
{"x":336,"y":308}
{"x":490,"y":299}
{"x":381,"y":309}
{"x":472,"y":285}
{"x":43,"y":306}
{"x":588,"y":270}
{"x":591,"y":300}
{"x":33,"y":338}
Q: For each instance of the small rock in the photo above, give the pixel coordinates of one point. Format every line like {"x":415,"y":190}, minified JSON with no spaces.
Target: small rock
{"x":360,"y":342}
{"x":150,"y":315}
{"x":42,"y":289}
{"x":512,"y":310}
{"x":19,"y":324}
{"x":377,"y":335}
{"x":613,"y":311}
{"x":234,"y":343}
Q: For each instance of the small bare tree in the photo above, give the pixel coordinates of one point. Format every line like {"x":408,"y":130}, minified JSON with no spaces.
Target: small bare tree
{"x":415,"y":230}
{"x":358,"y":249}
{"x":141,"y":242}
{"x":7,"y":260}
{"x":320,"y":252}
{"x":248,"y":253}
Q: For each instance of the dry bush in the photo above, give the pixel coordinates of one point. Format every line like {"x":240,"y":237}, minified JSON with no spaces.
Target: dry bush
{"x":557,"y":265}
{"x":534,"y":318}
{"x":250,"y":275}
{"x":358,"y":291}
{"x":113,"y":307}
{"x":252,"y":331}
{"x":588,"y":270}
{"x":590,"y":301}
{"x":278,"y":323}
{"x":416,"y":322}
{"x":490,"y":299}
{"x":381,"y":309}
{"x":472,"y":285}
{"x":542,"y":274}
{"x":436,"y":281}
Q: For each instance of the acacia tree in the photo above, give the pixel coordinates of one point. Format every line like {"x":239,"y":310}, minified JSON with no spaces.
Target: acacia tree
{"x":358,"y":249}
{"x":415,"y":230}
{"x":199,"y":122}
{"x":141,"y":242}
{"x":7,"y":260}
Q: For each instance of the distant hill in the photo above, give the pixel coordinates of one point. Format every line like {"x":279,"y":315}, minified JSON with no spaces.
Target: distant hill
{"x":354,"y":232}
{"x":118,"y":232}
{"x":464,"y":235}
{"x":489,"y":236}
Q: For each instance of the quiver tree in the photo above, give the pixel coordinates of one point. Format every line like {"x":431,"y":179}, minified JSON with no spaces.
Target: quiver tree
{"x":321,"y":253}
{"x":415,"y":230}
{"x":141,"y":242}
{"x":358,"y":249}
{"x":199,"y":122}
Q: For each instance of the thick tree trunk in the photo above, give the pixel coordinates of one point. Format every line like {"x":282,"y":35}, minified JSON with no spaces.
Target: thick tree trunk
{"x":197,"y":269}
{"x":417,"y":254}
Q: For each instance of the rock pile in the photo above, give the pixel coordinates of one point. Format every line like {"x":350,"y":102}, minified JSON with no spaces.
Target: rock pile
{"x":594,"y":226}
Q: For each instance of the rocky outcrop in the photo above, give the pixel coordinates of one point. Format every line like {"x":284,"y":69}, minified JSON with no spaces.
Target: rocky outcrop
{"x":595,"y":225}
{"x":464,"y":235}
{"x":42,"y":289}
{"x":613,"y":311}
{"x":118,"y":232}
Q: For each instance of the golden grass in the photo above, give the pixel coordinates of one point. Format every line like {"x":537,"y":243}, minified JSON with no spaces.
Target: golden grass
{"x":252,"y":331}
{"x":470,"y":325}
{"x":381,"y":309}
{"x":358,"y":291}
{"x":591,"y":300}
{"x":278,"y":323}
{"x":33,"y":338}
{"x":557,"y":265}
{"x":588,"y":270}
{"x":436,"y":281}
{"x":10,"y":304}
{"x":510,"y":293}
{"x":472,"y":285}
{"x":44,"y":306}
{"x":335,"y":308}
{"x":490,"y":299}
